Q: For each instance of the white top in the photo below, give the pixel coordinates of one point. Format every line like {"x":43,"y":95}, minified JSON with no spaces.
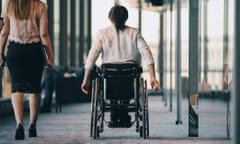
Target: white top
{"x":126,"y":47}
{"x":26,"y":31}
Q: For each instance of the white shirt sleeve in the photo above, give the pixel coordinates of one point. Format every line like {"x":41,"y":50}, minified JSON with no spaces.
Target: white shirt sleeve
{"x":94,"y":52}
{"x":144,"y":49}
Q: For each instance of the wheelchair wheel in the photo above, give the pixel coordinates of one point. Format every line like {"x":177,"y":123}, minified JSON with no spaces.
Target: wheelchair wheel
{"x":144,"y":127}
{"x":145,"y":113}
{"x":92,"y":107}
{"x":95,"y":130}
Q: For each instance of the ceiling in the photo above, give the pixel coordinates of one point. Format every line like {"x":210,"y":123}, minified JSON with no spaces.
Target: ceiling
{"x":148,"y":5}
{"x":145,"y":5}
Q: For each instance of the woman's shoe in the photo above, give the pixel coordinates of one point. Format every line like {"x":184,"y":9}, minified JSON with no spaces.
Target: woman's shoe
{"x":19,"y":135}
{"x":32,"y":130}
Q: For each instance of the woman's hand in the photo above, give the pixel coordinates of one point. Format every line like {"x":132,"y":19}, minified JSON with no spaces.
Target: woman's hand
{"x":154,"y":84}
{"x":50,"y":63}
{"x":84,"y":86}
{"x":153,"y":81}
{"x":86,"y":79}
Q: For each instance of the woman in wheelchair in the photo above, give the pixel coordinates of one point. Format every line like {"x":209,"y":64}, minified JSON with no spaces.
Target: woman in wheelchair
{"x":119,"y":43}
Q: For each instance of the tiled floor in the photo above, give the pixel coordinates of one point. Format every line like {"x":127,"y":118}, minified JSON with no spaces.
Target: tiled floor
{"x":72,"y":126}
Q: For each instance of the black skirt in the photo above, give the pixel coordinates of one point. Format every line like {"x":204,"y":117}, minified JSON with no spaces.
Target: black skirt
{"x":25,"y":63}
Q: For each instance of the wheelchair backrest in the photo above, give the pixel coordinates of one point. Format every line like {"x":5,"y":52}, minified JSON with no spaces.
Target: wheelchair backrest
{"x":120,"y":80}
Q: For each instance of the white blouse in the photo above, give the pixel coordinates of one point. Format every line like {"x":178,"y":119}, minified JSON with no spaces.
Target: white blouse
{"x":125,"y":47}
{"x":26,"y":31}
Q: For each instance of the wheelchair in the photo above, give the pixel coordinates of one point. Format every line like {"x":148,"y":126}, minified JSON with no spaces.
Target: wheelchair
{"x":119,"y":86}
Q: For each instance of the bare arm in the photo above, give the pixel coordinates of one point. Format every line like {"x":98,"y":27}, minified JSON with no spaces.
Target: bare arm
{"x":153,"y":81}
{"x":3,"y":37}
{"x":45,"y":35}
{"x":86,"y":79}
{"x":1,"y":23}
{"x":146,"y":53}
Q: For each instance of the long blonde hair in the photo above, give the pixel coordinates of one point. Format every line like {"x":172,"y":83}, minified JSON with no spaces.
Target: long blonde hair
{"x":20,"y":9}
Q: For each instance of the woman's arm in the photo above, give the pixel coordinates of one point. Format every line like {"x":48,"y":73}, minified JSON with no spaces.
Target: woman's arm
{"x":45,"y":35}
{"x":3,"y":37}
{"x":146,"y":54}
{"x":153,"y":81}
{"x":86,"y":79}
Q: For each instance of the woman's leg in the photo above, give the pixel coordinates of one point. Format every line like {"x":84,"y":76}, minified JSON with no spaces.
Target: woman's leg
{"x":17,"y":103}
{"x":34,"y":104}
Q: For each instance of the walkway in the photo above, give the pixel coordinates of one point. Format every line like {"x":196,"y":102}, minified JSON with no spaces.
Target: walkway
{"x":73,"y":124}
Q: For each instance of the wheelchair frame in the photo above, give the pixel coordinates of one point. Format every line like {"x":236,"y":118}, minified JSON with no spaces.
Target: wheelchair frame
{"x":100,"y":103}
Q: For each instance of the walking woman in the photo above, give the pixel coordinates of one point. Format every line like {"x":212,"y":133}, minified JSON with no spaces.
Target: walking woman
{"x":26,"y":30}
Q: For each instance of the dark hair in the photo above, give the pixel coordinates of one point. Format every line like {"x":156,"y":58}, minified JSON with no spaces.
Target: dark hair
{"x":118,"y":15}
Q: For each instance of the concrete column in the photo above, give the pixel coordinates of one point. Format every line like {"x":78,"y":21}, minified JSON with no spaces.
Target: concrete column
{"x":165,"y":52}
{"x":140,"y":16}
{"x":164,"y":57}
{"x":171,"y":51}
{"x":236,"y":77}
{"x":178,"y":63}
{"x":193,"y":68}
{"x":225,"y":45}
{"x":81,"y":33}
{"x":89,"y":25}
{"x":73,"y":34}
{"x":161,"y":50}
{"x":205,"y":40}
{"x":63,"y":47}
{"x":50,"y":5}
{"x":85,"y":33}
